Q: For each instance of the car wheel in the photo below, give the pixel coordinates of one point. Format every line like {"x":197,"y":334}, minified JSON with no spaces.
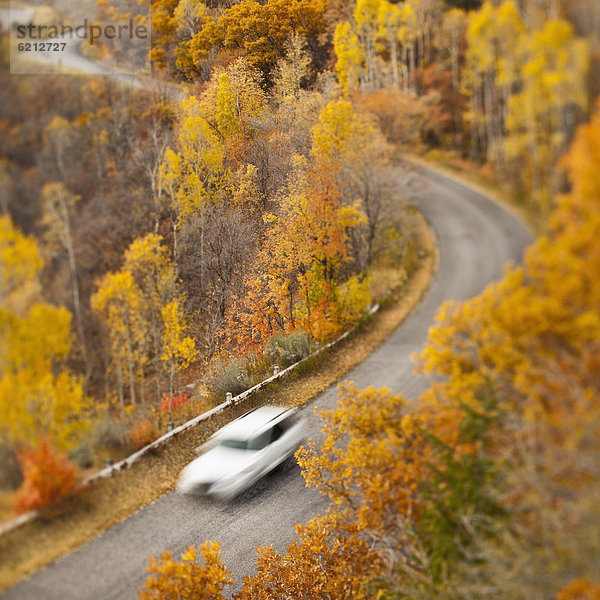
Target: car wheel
{"x":288,"y":464}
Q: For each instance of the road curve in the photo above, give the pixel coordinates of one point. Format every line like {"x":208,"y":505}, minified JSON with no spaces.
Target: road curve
{"x":476,"y":238}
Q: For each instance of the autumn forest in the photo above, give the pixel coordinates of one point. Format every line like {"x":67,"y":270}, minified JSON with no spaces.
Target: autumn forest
{"x":164,"y":244}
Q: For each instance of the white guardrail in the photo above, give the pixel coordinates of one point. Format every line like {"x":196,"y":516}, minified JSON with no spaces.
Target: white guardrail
{"x":127,"y":462}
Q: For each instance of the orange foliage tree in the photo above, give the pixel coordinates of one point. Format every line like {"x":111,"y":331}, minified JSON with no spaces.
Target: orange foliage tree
{"x":295,"y":280}
{"x":534,"y":338}
{"x":47,"y":475}
{"x":300,"y":279}
{"x":540,"y":312}
{"x":321,"y":565}
{"x":580,"y":589}
{"x":258,"y":30}
{"x":405,"y":480}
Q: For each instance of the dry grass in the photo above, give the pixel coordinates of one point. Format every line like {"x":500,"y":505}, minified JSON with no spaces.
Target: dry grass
{"x":54,"y":533}
{"x":6,"y":506}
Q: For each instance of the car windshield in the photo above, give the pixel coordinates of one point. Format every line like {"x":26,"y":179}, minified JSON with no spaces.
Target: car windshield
{"x":237,"y":444}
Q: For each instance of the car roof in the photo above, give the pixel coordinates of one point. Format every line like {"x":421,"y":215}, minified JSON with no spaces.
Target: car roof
{"x":252,"y":423}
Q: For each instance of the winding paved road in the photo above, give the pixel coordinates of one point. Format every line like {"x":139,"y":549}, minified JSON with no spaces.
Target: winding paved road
{"x":476,"y":238}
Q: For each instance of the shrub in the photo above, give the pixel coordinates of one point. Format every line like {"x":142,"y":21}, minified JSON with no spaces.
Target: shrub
{"x":179,"y":399}
{"x":228,"y":377}
{"x":194,"y":407}
{"x":200,"y":575}
{"x":83,"y":455}
{"x":108,"y":433}
{"x":47,"y":475}
{"x":142,"y":434}
{"x":257,"y":366}
{"x":288,"y":348}
{"x":439,"y":156}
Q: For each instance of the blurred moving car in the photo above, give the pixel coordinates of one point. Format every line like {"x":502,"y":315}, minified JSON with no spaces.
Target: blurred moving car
{"x":242,"y":452}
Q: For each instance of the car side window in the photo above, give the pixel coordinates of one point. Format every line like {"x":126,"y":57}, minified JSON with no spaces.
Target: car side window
{"x":277,"y":432}
{"x":260,"y":441}
{"x":237,"y":444}
{"x":289,"y":422}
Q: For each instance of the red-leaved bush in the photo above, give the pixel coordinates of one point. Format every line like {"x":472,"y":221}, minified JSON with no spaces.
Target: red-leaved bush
{"x":47,"y":475}
{"x":178,"y":400}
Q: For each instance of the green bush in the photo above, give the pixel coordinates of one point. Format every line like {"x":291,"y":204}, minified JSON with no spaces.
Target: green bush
{"x":287,"y":349}
{"x":83,"y":455}
{"x":226,"y":377}
{"x":256,"y":365}
{"x":107,"y":433}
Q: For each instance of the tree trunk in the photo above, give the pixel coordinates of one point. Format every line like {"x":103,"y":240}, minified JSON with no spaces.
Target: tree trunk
{"x":175,"y":247}
{"x":130,"y":369}
{"x":394,"y":59}
{"x":171,"y":381}
{"x":142,"y":389}
{"x":121,"y":396}
{"x":65,"y":220}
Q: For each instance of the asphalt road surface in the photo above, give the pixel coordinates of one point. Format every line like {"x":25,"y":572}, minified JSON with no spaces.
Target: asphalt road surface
{"x":476,"y":238}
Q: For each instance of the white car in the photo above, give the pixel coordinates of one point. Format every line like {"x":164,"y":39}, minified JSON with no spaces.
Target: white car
{"x":242,"y":452}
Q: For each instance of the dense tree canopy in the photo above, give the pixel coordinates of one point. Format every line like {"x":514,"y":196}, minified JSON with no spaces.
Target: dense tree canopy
{"x":38,"y":396}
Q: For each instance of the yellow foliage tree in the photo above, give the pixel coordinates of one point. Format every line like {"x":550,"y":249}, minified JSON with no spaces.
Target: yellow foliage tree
{"x":495,"y":38}
{"x":20,"y":262}
{"x":38,"y":395}
{"x":233,"y":100}
{"x":119,"y":301}
{"x":179,"y":350}
{"x":352,"y":147}
{"x":542,"y":116}
{"x":385,"y":43}
{"x":164,"y":26}
{"x":337,"y":128}
{"x":350,"y":56}
{"x":192,"y":177}
{"x":226,"y":117}
{"x":292,"y":69}
{"x":199,"y":575}
{"x":527,"y":88}
{"x":132,"y":304}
